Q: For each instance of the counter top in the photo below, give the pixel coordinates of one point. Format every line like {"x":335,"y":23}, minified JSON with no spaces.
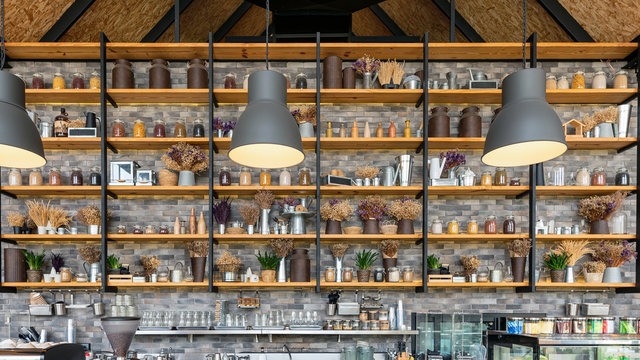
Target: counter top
{"x":577,"y":339}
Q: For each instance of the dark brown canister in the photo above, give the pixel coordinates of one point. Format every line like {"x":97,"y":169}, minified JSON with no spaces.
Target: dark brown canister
{"x":348,"y":78}
{"x":439,"y":122}
{"x":15,"y":267}
{"x":470,"y":123}
{"x":300,"y":266}
{"x":197,"y":75}
{"x":159,"y":75}
{"x":122,"y":75}
{"x":420,"y":74}
{"x":332,"y":72}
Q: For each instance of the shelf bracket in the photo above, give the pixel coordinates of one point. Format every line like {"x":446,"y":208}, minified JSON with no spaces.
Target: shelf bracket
{"x":419,"y":195}
{"x":629,"y":99}
{"x":420,"y":148}
{"x":112,"y":194}
{"x":8,"y":290}
{"x":215,"y":102}
{"x":111,"y":147}
{"x":522,"y":195}
{"x":523,"y":289}
{"x":420,"y":289}
{"x":9,"y":241}
{"x":625,"y":148}
{"x":111,"y":101}
{"x":215,"y":195}
{"x":420,"y":100}
{"x":6,"y":193}
{"x":215,"y":147}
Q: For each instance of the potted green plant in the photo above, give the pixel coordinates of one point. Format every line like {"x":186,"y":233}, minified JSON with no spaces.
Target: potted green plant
{"x":186,"y":159}
{"x":35,"y":262}
{"x":518,"y":251}
{"x":576,"y":249}
{"x":113,"y":264}
{"x":433,"y":265}
{"x":198,"y":250}
{"x":269,"y":262}
{"x":598,"y":209}
{"x":556,"y":263}
{"x":371,"y":210}
{"x":406,"y":211}
{"x":334,"y":212}
{"x":614,"y":254}
{"x":364,"y":261}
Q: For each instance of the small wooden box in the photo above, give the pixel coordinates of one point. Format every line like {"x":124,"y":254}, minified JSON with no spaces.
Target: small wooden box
{"x":120,"y":278}
{"x":440,"y":278}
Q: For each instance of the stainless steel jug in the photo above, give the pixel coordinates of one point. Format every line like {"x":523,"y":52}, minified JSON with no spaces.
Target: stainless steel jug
{"x":404,"y":166}
{"x":496,"y":275}
{"x":177,"y":275}
{"x":388,"y":176}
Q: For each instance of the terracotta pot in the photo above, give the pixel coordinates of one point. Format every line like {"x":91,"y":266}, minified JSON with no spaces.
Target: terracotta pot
{"x":269,"y":275}
{"x":333,"y":227}
{"x":363,"y":275}
{"x":371,"y":227}
{"x":122,"y":75}
{"x":388,"y":263}
{"x":159,"y":75}
{"x":332,"y":72}
{"x":300,"y":266}
{"x":593,"y":277}
{"x":198,"y":265}
{"x":599,"y":227}
{"x":557,"y":275}
{"x":405,"y":226}
{"x":34,"y":275}
{"x":15,"y":266}
{"x":518,"y":265}
{"x":348,"y":78}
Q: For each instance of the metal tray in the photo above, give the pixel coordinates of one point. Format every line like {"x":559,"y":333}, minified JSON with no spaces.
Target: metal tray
{"x":594,"y":309}
{"x":230,"y":328}
{"x":260,"y":327}
{"x":155,"y":328}
{"x":305,"y":327}
{"x":41,"y":310}
{"x":192,"y":328}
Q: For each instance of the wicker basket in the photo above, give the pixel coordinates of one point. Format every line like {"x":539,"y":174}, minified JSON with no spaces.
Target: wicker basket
{"x":352,"y":230}
{"x":389,"y":229}
{"x":167,"y":178}
{"x":234,"y":230}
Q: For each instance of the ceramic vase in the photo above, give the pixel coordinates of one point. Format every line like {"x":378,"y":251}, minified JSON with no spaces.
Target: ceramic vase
{"x":186,"y":178}
{"x":612,"y":275}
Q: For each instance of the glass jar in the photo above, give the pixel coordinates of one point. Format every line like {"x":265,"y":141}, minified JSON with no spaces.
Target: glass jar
{"x":82,"y":277}
{"x":304,"y":176}
{"x":628,"y":326}
{"x":94,"y":80}
{"x":285,"y":177}
{"x":622,"y":177}
{"x":472,"y":227}
{"x":61,"y":124}
{"x":436,"y":226}
{"x":620,"y":80}
{"x":608,"y":325}
{"x":347,"y":274}
{"x":373,"y":314}
{"x":490,"y":225}
{"x":198,"y":128}
{"x":330,"y":274}
{"x":509,"y":225}
{"x":265,"y":178}
{"x":118,"y":128}
{"x":486,"y":180}
{"x":618,"y":223}
{"x":532,"y":326}
{"x":364,"y":315}
{"x":163,"y":229}
{"x":149,"y":229}
{"x":137,"y":229}
{"x":407,"y":274}
{"x":95,"y":178}
{"x":77,"y":81}
{"x":58,"y":81}
{"x":286,"y":76}
{"x":563,"y":325}
{"x":578,"y":80}
{"x":378,"y":274}
{"x":225,"y":176}
{"x":301,"y":81}
{"x":579,"y":325}
{"x":35,"y":178}
{"x":393,"y":274}
{"x":546,"y":326}
{"x":159,"y":130}
{"x":500,"y":177}
{"x":557,"y":175}
{"x":230,"y":81}
{"x":515,"y":325}
{"x":563,"y":83}
{"x":594,"y":325}
{"x":65,"y":274}
{"x":583,"y":177}
{"x":452,"y":227}
{"x":245,"y":82}
{"x":346,"y":325}
{"x":180,"y":130}
{"x":76,"y":176}
{"x":55,"y":178}
{"x":37,"y":82}
{"x":551,"y":82}
{"x":121,"y":229}
{"x":599,"y":80}
{"x":245,"y":176}
{"x":139,"y":131}
{"x":15,"y":177}
{"x":598,"y":178}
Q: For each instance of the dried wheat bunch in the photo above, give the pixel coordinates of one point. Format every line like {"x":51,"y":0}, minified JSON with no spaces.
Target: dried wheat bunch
{"x":470,"y":264}
{"x":389,"y":248}
{"x":250,"y":213}
{"x":339,"y":249}
{"x":282,"y":247}
{"x":576,"y":249}
{"x":519,"y":247}
{"x":198,"y":248}
{"x":385,"y":72}
{"x":367,"y":172}
{"x":16,"y":219}
{"x":264,"y":198}
{"x":398,"y":71}
{"x":38,"y":212}
{"x":149,"y":264}
{"x":90,"y":254}
{"x":228,"y":262}
{"x":77,"y":123}
{"x":593,"y":267}
{"x":58,"y":217}
{"x":405,"y":209}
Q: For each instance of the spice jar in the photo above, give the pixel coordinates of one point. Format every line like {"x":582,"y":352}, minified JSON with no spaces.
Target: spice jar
{"x":149,"y":229}
{"x":245,"y":176}
{"x":579,"y":325}
{"x":58,"y":81}
{"x":265,"y":178}
{"x":159,"y":129}
{"x":486,"y":180}
{"x":163,"y":229}
{"x":197,"y":74}
{"x":578,"y":80}
{"x":620,"y":80}
{"x":563,"y":325}
{"x":95,"y":178}
{"x":37,"y":82}
{"x":301,"y":81}
{"x":137,"y":230}
{"x":599,"y":80}
{"x":15,"y":177}
{"x":139,"y":130}
{"x":330,"y":274}
{"x":490,"y":225}
{"x":118,"y":128}
{"x":546,"y":326}
{"x":225,"y":176}
{"x":121,"y":229}
{"x":532,"y":326}
{"x":594,"y":325}
{"x":598,"y":178}
{"x":180,"y":130}
{"x":285,"y":177}
{"x":198,"y":128}
{"x":94,"y":80}
{"x":509,"y":225}
{"x":452,"y":227}
{"x":514,"y":182}
{"x":628,"y":326}
{"x":515,"y":325}
{"x":77,"y":81}
{"x":55,"y":178}
{"x":61,"y":124}
{"x":159,"y":75}
{"x":622,"y":177}
{"x":230,"y":81}
{"x":347,"y":274}
{"x":304,"y":176}
{"x":393,"y":274}
{"x":407,"y":274}
{"x":608,"y":325}
{"x":378,"y":274}
{"x":551,"y":82}
{"x":583,"y":177}
{"x":65,"y":274}
{"x":436,"y":226}
{"x":76,"y":176}
{"x":563,"y":83}
{"x":35,"y":177}
{"x":472,"y":227}
{"x":500,"y":177}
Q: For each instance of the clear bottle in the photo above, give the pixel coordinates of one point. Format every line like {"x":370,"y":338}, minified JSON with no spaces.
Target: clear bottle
{"x":15,"y":177}
{"x":61,"y":124}
{"x":329,"y":132}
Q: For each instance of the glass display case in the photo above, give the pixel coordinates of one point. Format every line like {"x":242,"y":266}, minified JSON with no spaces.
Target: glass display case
{"x":448,"y":336}
{"x":503,"y":346}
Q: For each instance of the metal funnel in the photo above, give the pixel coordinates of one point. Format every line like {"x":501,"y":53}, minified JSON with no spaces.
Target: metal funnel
{"x":120,"y":332}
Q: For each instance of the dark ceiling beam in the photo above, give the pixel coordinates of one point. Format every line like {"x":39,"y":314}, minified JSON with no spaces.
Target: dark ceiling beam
{"x":224,"y":29}
{"x":567,"y":22}
{"x":154,"y":34}
{"x":461,"y":24}
{"x":64,"y":23}
{"x":387,"y":21}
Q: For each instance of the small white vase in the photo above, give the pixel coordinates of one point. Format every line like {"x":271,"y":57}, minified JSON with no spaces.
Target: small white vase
{"x":94,"y":229}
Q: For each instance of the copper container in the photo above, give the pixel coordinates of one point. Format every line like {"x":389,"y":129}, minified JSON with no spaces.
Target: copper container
{"x":122,"y":75}
{"x":197,"y":75}
{"x":348,"y":78}
{"x":159,"y":75}
{"x":332,"y":72}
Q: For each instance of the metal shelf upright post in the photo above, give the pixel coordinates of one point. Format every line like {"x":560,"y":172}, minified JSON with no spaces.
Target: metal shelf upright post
{"x":425,"y":170}
{"x":318,"y":162}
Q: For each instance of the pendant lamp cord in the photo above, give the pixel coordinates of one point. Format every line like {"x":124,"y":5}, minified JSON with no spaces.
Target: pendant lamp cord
{"x":3,"y":55}
{"x":524,"y":34}
{"x":266,"y":36}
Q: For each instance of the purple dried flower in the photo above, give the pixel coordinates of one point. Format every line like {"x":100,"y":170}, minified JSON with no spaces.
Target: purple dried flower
{"x":453,"y":158}
{"x":222,"y":210}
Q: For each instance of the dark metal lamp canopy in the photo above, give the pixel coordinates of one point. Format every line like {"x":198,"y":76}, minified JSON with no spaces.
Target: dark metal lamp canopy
{"x":527,"y":130}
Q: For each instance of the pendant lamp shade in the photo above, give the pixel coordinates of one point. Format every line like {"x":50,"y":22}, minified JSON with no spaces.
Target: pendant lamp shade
{"x":527,"y":130}
{"x":20,"y":142}
{"x":266,"y":135}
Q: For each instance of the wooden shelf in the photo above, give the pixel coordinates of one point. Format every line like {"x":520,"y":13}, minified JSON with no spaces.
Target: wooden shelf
{"x":582,"y":285}
{"x":46,"y":238}
{"x":570,"y":96}
{"x":251,"y":190}
{"x":476,"y":284}
{"x":159,"y":284}
{"x":64,"y":96}
{"x":370,"y":190}
{"x":264,"y":285}
{"x":258,"y":238}
{"x":369,"y":237}
{"x":308,"y":143}
{"x":54,"y":51}
{"x":46,"y":190}
{"x":472,"y":237}
{"x":477,"y":190}
{"x":151,"y":143}
{"x":369,"y":285}
{"x":198,"y":190}
{"x":157,"y":237}
{"x":593,"y":237}
{"x":399,"y":143}
{"x":198,"y":96}
{"x":44,"y":285}
{"x":80,"y":143}
{"x":580,"y":190}
{"x":574,"y":143}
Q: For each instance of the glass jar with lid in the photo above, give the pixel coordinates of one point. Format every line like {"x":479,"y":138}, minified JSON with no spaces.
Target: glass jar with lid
{"x":579,"y":325}
{"x":436,"y":226}
{"x":95,"y":178}
{"x":58,"y":81}
{"x":557,"y":175}
{"x":180,"y":130}
{"x":159,"y":129}
{"x":578,"y":80}
{"x":61,"y":124}
{"x":137,"y":229}
{"x":77,"y":82}
{"x":583,"y":177}
{"x":618,"y":223}
{"x":304,"y":176}
{"x":452,"y":227}
{"x":65,"y":274}
{"x":551,"y":82}
{"x":15,"y":177}
{"x":407,"y":274}
{"x":121,"y":229}
{"x":118,"y":128}
{"x":500,"y":177}
{"x":546,"y":326}
{"x":490,"y":225}
{"x":608,"y":325}
{"x":265,"y":178}
{"x":393,"y":274}
{"x":378,"y":274}
{"x":301,"y":81}
{"x":599,"y":177}
{"x":139,"y":131}
{"x":509,"y":225}
{"x":594,"y":325}
{"x":532,"y":326}
{"x":486,"y":180}
{"x":35,"y":177}
{"x":599,"y":80}
{"x":163,"y":229}
{"x":628,"y":326}
{"x":82,"y":277}
{"x":285,"y":177}
{"x":620,"y":80}
{"x":245,"y":176}
{"x":230,"y":81}
{"x":198,"y":128}
{"x":94,"y":80}
{"x":563,"y":83}
{"x":347,"y":274}
{"x":150,"y":229}
{"x":563,"y":325}
{"x":55,"y":178}
{"x":76,"y":176}
{"x":225,"y":176}
{"x":472,"y":226}
{"x":622,"y":177}
{"x":514,"y":182}
{"x":37,"y":82}
{"x":330,"y":274}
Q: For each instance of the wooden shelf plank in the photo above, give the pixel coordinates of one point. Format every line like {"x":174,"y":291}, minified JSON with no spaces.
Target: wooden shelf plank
{"x":399,"y":143}
{"x":362,"y":96}
{"x":264,"y":285}
{"x":159,"y":284}
{"x":261,"y":238}
{"x":44,"y":285}
{"x":594,"y":237}
{"x":157,"y":237}
{"x":53,"y":51}
{"x":308,"y":143}
{"x":369,"y":237}
{"x":472,"y":237}
{"x":478,"y":190}
{"x":46,"y":190}
{"x":476,"y":285}
{"x":151,"y":143}
{"x":580,"y":190}
{"x":582,"y":285}
{"x":370,"y":190}
{"x":575,"y":143}
{"x":369,"y":285}
{"x":65,"y":96}
{"x":160,"y":96}
{"x":80,"y":143}
{"x":277,"y":190}
{"x":148,"y":51}
{"x":570,"y":96}
{"x":46,"y":238}
{"x":160,"y":190}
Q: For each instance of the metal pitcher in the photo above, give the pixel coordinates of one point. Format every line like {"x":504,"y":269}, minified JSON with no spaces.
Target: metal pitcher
{"x":93,"y":271}
{"x":263,"y":222}
{"x":177,"y":275}
{"x":98,"y":307}
{"x":60,"y":308}
{"x":404,"y":166}
{"x":496,"y":275}
{"x":388,"y":176}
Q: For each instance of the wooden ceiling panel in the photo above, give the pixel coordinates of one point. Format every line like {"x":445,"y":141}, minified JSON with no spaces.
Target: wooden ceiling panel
{"x":416,"y":17}
{"x":120,"y":20}
{"x":606,"y":21}
{"x":501,"y":20}
{"x":366,"y":23}
{"x":200,"y":18}
{"x":251,"y":24}
{"x":30,"y":20}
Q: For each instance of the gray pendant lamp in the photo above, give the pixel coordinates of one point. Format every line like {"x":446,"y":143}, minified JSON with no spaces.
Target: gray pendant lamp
{"x":20,"y":142}
{"x":527,"y":130}
{"x":266,"y":135}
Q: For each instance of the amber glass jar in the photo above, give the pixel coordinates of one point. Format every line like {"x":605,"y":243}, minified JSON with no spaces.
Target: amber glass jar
{"x":265,"y":178}
{"x":118,"y":128}
{"x":76,"y":176}
{"x":598,"y":178}
{"x":139,"y":131}
{"x":490,"y":225}
{"x":578,"y":80}
{"x":58,"y":81}
{"x":500,"y":177}
{"x":472,"y":227}
{"x":159,"y":129}
{"x":35,"y":177}
{"x":486,"y":180}
{"x":94,"y":80}
{"x":61,"y":124}
{"x":304,"y":176}
{"x":245,"y":176}
{"x":452,"y":227}
{"x":180,"y":130}
{"x":55,"y":178}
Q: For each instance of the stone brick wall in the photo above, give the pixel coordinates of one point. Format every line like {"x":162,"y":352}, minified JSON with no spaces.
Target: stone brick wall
{"x":160,"y":210}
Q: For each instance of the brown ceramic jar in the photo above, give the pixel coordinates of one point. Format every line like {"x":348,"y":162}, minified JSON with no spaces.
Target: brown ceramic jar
{"x":332,"y":72}
{"x":470,"y":123}
{"x":300,"y":266}
{"x":159,"y":75}
{"x":197,"y":75}
{"x":122,"y":75}
{"x":439,"y":122}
